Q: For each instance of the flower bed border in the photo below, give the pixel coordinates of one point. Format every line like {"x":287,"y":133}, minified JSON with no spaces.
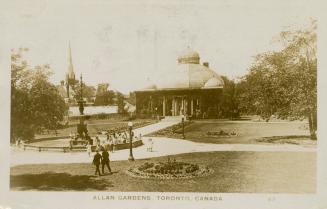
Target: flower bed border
{"x":202,"y":172}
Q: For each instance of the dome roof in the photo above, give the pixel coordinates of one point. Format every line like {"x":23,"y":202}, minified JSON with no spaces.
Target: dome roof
{"x":214,"y":83}
{"x":190,"y":76}
{"x":189,"y":56}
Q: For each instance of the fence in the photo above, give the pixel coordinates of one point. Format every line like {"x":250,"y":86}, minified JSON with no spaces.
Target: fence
{"x":78,"y":148}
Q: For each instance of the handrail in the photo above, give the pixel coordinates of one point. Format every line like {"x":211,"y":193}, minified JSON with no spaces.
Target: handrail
{"x":77,"y":148}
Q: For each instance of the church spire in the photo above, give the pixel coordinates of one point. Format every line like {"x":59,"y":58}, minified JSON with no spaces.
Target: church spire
{"x":70,"y":73}
{"x":70,"y":76}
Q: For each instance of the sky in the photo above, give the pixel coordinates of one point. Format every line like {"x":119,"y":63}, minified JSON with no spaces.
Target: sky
{"x":131,"y":43}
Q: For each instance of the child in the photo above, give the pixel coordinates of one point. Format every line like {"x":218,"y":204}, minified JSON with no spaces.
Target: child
{"x":89,"y":148}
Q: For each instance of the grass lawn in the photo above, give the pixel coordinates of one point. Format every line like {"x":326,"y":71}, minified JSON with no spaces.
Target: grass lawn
{"x":246,"y":132}
{"x":97,"y":125}
{"x":250,"y":172}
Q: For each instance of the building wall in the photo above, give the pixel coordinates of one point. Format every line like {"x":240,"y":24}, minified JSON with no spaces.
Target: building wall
{"x":200,"y":103}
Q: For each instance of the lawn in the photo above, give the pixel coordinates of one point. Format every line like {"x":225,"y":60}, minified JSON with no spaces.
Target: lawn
{"x":245,"y":132}
{"x":94,"y":126}
{"x":250,"y":172}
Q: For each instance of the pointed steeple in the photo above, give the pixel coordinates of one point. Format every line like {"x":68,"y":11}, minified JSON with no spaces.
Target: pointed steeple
{"x":70,"y":73}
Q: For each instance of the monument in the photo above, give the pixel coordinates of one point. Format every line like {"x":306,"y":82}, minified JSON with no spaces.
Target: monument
{"x":82,"y":127}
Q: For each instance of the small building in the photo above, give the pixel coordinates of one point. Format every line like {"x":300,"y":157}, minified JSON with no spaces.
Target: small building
{"x":193,"y":90}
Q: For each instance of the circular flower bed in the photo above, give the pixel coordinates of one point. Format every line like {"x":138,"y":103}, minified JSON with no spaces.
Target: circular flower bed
{"x":221,"y":133}
{"x":169,"y":170}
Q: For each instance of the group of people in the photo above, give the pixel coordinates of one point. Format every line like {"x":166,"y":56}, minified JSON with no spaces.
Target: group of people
{"x":111,"y":140}
{"x":102,"y":159}
{"x":121,"y":137}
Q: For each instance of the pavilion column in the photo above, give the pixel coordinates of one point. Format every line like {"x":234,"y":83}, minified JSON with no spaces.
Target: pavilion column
{"x":176,"y":106}
{"x":192,"y":106}
{"x":185,"y":106}
{"x":183,"y":101}
{"x":173,"y":107}
{"x":164,"y":106}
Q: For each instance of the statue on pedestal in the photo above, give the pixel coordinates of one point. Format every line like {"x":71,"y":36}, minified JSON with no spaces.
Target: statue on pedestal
{"x":82,"y":127}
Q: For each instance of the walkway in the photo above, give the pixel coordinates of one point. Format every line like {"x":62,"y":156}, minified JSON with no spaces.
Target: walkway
{"x":162,"y":147}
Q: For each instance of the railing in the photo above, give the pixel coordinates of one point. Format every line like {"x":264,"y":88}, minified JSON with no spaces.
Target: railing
{"x":40,"y":149}
{"x":78,"y":148}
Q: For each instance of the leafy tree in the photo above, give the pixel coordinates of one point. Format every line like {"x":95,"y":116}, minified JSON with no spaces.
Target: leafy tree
{"x":48,"y":106}
{"x":301,"y":47}
{"x":104,"y":96}
{"x":20,"y":99}
{"x":284,"y":82}
{"x":21,"y":115}
{"x":120,"y":102}
{"x":228,"y":103}
{"x":35,"y":102}
{"x":88,"y":91}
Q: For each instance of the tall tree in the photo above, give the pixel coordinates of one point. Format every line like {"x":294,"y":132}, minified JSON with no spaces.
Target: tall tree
{"x":35,"y":102}
{"x":301,"y":47}
{"x":120,"y":103}
{"x":228,"y":103}
{"x":104,"y":96}
{"x":88,"y":91}
{"x":285,"y":82}
{"x":48,"y":106}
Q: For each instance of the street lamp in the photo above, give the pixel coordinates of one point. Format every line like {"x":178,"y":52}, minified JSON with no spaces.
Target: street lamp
{"x":130,"y":126}
{"x":183,"y":118}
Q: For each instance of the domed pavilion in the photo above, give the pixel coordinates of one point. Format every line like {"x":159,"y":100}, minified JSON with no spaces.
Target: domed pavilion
{"x":193,"y":90}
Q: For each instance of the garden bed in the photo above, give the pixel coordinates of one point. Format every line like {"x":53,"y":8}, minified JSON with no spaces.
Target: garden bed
{"x":174,"y":131}
{"x":169,"y":170}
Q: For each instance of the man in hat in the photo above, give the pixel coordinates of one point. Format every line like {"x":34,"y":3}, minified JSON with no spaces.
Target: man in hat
{"x":96,"y":162}
{"x":105,"y":160}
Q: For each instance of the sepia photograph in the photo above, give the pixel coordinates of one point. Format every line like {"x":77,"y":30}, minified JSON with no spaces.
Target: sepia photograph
{"x":150,"y":101}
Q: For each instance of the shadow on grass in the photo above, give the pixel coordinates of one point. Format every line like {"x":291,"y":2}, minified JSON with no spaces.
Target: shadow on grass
{"x":290,"y":139}
{"x":57,"y":182}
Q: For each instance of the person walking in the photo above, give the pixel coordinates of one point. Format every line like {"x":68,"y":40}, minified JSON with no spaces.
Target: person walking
{"x":150,"y":145}
{"x":111,"y":144}
{"x":105,"y":160}
{"x":89,"y":148}
{"x":96,"y":161}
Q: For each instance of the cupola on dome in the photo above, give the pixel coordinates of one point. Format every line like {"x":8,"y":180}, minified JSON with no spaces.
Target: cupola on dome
{"x":189,"y":57}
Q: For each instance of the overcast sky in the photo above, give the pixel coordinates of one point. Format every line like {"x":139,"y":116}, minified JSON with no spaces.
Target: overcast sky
{"x":125,"y":43}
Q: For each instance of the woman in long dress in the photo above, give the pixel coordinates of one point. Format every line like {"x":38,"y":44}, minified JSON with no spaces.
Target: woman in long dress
{"x":89,"y":149}
{"x":115,"y":142}
{"x":149,"y":145}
